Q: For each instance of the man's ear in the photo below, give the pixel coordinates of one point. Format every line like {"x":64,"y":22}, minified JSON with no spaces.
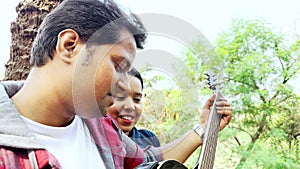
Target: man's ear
{"x":67,"y":42}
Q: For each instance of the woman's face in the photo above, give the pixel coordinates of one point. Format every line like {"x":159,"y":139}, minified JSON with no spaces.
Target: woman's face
{"x":127,"y":107}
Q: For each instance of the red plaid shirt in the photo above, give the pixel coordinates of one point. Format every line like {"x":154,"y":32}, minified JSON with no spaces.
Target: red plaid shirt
{"x":116,"y":149}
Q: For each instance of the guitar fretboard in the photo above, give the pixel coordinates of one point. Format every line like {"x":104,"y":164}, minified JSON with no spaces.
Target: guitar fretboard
{"x":208,"y":150}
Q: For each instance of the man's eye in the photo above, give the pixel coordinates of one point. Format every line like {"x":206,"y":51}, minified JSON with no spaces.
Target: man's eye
{"x":120,"y":98}
{"x":121,"y":66}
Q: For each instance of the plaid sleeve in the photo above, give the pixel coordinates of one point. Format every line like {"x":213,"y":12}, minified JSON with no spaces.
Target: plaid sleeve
{"x":13,"y":158}
{"x":136,"y":155}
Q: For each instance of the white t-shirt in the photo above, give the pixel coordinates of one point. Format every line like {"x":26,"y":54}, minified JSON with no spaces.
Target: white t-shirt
{"x":71,"y":145}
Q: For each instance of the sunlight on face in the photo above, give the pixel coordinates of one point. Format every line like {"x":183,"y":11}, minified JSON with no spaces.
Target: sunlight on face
{"x":93,"y":82}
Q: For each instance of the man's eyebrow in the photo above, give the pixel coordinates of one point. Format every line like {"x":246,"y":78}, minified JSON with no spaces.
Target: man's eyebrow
{"x":131,"y":49}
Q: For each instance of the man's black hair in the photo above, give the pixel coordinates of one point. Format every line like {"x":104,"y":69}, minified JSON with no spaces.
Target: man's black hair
{"x":86,"y":17}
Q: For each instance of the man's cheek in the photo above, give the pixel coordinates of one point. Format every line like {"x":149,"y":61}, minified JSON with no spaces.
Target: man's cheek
{"x":113,"y":109}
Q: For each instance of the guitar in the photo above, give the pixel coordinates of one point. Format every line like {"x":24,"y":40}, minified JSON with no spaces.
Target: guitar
{"x":166,"y":164}
{"x":207,"y":155}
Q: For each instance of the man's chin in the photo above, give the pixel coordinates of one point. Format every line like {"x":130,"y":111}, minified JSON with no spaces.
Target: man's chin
{"x":103,"y":111}
{"x":93,"y":113}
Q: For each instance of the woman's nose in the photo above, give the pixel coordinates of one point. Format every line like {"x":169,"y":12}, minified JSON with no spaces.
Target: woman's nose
{"x":129,"y":105}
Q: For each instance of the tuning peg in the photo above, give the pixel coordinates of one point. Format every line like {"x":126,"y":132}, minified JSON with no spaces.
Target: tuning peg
{"x":207,"y":78}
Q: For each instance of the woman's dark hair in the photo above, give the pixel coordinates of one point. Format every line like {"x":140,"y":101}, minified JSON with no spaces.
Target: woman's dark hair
{"x":86,"y":17}
{"x":135,"y":73}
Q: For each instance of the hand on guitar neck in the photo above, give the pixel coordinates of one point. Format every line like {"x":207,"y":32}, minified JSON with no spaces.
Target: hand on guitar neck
{"x":176,"y":152}
{"x":215,"y":116}
{"x":222,"y":107}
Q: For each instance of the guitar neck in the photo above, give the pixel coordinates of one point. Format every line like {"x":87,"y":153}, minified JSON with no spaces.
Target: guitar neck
{"x":207,"y":156}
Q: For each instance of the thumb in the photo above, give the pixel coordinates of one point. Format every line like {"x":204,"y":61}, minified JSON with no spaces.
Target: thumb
{"x":209,"y":102}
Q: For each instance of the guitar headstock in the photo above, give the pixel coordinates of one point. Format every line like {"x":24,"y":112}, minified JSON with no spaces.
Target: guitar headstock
{"x":213,"y":81}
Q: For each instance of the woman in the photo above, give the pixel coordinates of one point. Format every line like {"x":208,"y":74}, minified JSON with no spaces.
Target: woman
{"x":130,"y":107}
{"x":127,"y":109}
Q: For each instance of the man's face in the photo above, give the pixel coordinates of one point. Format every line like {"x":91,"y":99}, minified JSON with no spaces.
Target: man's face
{"x":127,"y":106}
{"x":108,"y":64}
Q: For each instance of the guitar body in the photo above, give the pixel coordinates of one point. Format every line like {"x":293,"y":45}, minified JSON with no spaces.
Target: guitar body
{"x":167,"y":164}
{"x":171,"y":164}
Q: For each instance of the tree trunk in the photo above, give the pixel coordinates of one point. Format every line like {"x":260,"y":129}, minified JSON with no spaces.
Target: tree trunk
{"x":254,"y":138}
{"x":23,"y":31}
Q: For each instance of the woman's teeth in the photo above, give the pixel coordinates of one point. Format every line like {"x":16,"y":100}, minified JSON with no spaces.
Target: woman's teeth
{"x":127,"y":117}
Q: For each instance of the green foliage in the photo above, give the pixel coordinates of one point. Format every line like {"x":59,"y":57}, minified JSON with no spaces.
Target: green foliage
{"x":259,"y":64}
{"x":256,"y":63}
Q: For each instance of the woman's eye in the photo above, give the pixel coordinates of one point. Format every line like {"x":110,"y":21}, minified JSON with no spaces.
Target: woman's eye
{"x":137,"y":100}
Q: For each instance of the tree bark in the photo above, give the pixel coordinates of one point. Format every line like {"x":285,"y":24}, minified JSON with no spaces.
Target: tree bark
{"x":254,"y":138}
{"x":23,"y":31}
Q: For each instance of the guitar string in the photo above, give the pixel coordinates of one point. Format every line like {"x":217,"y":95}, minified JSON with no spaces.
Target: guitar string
{"x":211,"y":141}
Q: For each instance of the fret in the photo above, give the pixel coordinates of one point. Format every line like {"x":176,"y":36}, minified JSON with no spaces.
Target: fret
{"x":207,"y":154}
{"x":210,"y":138}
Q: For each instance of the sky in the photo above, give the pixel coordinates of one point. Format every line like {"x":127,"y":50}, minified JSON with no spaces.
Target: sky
{"x":210,"y":17}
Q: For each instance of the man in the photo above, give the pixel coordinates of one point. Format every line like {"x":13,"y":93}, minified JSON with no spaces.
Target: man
{"x":81,"y":50}
{"x":39,"y":127}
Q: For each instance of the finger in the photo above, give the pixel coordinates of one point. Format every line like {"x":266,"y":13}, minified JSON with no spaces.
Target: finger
{"x":209,"y":101}
{"x":222,"y":103}
{"x":224,"y":110}
{"x":225,"y":121}
{"x":222,"y":99}
{"x":227,"y":117}
{"x":223,"y":124}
